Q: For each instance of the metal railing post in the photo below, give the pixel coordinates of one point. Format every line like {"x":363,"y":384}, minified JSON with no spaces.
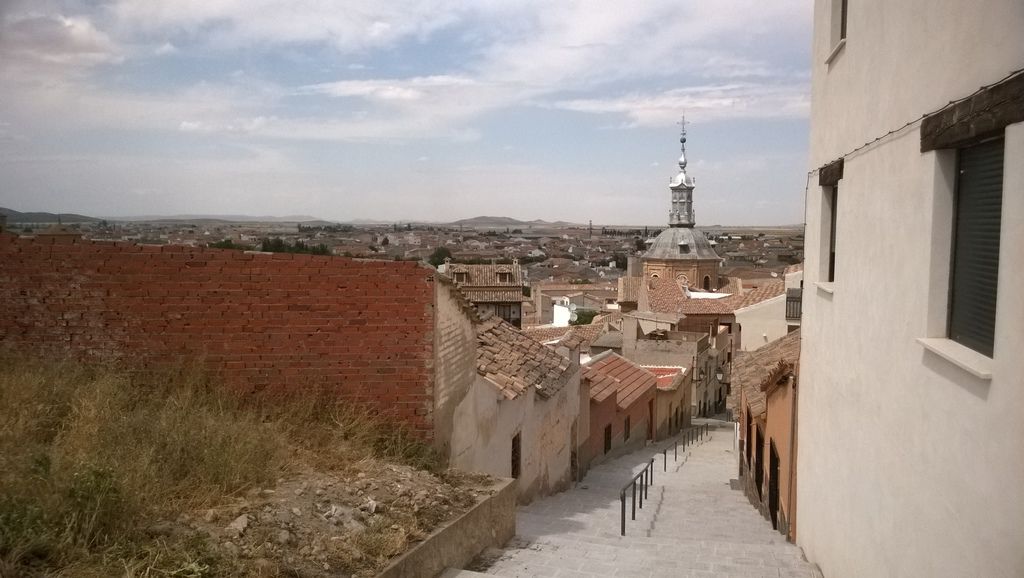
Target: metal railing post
{"x":640,"y":491}
{"x":664,"y":456}
{"x":634,"y":499}
{"x":622,"y":498}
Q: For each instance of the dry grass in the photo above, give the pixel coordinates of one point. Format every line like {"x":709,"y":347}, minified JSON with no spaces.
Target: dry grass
{"x":90,"y":456}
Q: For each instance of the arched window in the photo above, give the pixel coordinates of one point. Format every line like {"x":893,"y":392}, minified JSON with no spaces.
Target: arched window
{"x":655,"y":276}
{"x":707,"y":283}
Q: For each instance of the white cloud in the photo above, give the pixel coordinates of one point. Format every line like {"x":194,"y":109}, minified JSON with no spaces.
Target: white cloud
{"x":165,"y":49}
{"x":414,"y":88}
{"x":55,"y":40}
{"x":701,"y":104}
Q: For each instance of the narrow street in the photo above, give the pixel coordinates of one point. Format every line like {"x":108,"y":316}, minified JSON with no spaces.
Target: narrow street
{"x":692,"y":525}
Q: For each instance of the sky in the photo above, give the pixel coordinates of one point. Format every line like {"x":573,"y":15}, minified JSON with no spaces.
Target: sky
{"x":405,"y":110}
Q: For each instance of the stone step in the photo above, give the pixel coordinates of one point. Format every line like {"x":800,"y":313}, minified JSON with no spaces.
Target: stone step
{"x":693,"y":524}
{"x":456,"y":573}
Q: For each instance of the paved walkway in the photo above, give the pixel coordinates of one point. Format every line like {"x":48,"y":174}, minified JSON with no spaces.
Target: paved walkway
{"x":693,"y":525}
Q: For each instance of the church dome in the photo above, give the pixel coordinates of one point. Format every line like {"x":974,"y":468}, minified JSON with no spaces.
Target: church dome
{"x":679,"y":244}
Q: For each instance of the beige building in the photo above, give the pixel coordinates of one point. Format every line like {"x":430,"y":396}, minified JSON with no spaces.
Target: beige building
{"x":492,"y":288}
{"x":911,"y":403}
{"x":506,"y":405}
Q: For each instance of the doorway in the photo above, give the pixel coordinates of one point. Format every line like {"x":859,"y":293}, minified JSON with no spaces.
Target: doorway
{"x":517,"y":455}
{"x":773,"y":485}
{"x":607,"y":438}
{"x":758,"y":464}
{"x":650,"y":419}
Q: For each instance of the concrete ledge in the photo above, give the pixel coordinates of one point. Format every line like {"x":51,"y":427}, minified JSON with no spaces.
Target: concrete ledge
{"x":489,"y":524}
{"x":965,"y":358}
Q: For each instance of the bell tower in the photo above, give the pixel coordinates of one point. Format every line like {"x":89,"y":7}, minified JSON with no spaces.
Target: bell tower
{"x":681,"y":186}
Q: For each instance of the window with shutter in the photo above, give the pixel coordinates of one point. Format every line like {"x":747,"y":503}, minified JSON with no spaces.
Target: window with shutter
{"x":975,"y":267}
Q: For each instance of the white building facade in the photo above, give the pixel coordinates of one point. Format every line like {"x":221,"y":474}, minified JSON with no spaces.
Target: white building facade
{"x":911,"y":403}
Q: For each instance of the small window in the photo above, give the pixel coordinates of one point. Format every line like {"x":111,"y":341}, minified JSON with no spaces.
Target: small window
{"x":707,"y":283}
{"x":607,"y":438}
{"x":976,"y":229}
{"x":461,"y":277}
{"x":517,"y":455}
{"x":625,"y":434}
{"x":504,"y":277}
{"x":838,"y":22}
{"x":830,"y":201}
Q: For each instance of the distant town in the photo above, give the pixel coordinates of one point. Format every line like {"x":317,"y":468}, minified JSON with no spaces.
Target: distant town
{"x":556,"y":252}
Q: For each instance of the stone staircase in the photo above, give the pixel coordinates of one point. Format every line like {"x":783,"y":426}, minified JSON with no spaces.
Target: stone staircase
{"x":692,"y":525}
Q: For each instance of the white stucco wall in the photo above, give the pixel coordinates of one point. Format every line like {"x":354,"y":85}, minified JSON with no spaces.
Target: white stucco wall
{"x":901,"y":60}
{"x":908,"y":464}
{"x":763,"y":322}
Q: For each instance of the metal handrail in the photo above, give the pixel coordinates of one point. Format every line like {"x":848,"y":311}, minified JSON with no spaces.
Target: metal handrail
{"x":645,"y":477}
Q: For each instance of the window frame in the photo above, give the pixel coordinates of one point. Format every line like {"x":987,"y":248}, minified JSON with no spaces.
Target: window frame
{"x":953,"y":333}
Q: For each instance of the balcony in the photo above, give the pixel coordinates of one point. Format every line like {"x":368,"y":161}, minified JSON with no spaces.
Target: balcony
{"x":794,"y":304}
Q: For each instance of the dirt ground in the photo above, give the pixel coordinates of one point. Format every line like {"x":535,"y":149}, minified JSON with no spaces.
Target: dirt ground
{"x":334,"y":524}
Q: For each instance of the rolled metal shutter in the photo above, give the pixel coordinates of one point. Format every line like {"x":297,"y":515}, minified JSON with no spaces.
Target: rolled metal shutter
{"x":972,"y":315}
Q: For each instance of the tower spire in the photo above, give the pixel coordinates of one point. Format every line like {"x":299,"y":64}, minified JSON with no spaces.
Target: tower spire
{"x":682,"y":142}
{"x":681,"y":185}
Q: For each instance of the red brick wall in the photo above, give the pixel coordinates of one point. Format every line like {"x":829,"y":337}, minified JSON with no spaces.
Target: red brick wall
{"x":361,"y":328}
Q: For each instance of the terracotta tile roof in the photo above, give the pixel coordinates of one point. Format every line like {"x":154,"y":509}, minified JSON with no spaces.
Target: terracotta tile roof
{"x":486,"y":275}
{"x":611,"y":374}
{"x":514,"y":362}
{"x":764,"y":292}
{"x":667,"y":296}
{"x":669,"y":378}
{"x":629,"y":289}
{"x":545,"y":333}
{"x":589,"y":287}
{"x":752,"y":368}
{"x":493,"y":295}
{"x":581,"y":335}
{"x":573,"y":336}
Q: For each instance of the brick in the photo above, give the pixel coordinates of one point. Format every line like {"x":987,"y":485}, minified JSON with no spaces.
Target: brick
{"x":363,"y":329}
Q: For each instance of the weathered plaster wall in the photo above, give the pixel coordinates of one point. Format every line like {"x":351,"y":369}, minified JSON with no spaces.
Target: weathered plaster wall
{"x":485,"y":423}
{"x":666,"y":403}
{"x":903,"y":454}
{"x":762,"y":322}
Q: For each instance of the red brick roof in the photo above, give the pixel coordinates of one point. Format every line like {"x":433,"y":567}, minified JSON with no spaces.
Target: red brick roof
{"x":611,"y":374}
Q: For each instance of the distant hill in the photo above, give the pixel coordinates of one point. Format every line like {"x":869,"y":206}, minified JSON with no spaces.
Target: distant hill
{"x":39,"y":217}
{"x":219,"y":219}
{"x":497,"y":222}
